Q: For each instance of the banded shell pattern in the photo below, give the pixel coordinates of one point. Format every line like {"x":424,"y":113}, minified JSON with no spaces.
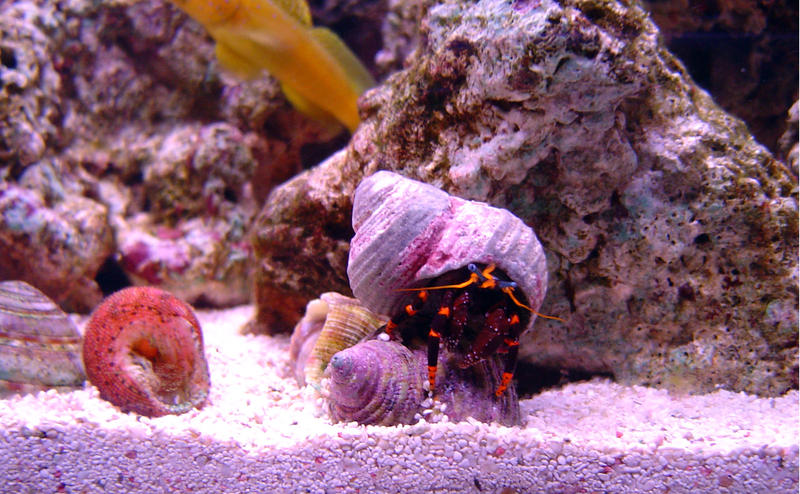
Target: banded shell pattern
{"x":39,"y":343}
{"x":143,"y":350}
{"x":331,"y":323}
{"x":408,"y":232}
{"x":375,"y":382}
{"x":383,"y":383}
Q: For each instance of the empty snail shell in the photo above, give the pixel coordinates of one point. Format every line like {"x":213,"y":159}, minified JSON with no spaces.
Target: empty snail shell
{"x":143,"y":350}
{"x":408,"y":232}
{"x":39,"y":343}
{"x":375,"y":382}
{"x":331,"y":323}
{"x":304,"y":337}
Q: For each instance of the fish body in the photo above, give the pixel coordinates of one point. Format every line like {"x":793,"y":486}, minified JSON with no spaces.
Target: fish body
{"x":319,"y":75}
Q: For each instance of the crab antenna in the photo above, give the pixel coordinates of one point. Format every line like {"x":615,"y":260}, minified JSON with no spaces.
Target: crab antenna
{"x":510,"y":292}
{"x":473,"y":278}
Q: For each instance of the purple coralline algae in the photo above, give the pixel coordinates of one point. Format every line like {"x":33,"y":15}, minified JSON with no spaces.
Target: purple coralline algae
{"x":671,"y":235}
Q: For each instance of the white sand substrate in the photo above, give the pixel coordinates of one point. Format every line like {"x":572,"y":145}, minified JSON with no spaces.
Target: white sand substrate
{"x":260,"y":433}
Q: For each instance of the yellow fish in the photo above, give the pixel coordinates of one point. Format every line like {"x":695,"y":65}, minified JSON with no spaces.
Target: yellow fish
{"x":319,"y":75}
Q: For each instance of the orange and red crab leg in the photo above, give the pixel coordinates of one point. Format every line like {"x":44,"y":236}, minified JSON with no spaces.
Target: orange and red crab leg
{"x":512,"y":343}
{"x":489,"y":338}
{"x":438,"y":325}
{"x":510,"y":367}
{"x":410,"y":309}
{"x":474,"y":277}
{"x":489,"y":281}
{"x":508,"y":289}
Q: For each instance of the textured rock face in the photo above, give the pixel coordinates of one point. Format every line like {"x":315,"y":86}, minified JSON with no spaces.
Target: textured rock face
{"x":788,"y":142}
{"x":122,"y":144}
{"x":671,"y":234}
{"x":301,"y":240}
{"x":54,"y":243}
{"x":743,"y":53}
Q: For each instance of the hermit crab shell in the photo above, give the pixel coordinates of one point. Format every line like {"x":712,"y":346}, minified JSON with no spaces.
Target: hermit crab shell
{"x":39,"y":343}
{"x":143,"y":350}
{"x":331,"y":323}
{"x":407,"y":232}
{"x":375,"y":382}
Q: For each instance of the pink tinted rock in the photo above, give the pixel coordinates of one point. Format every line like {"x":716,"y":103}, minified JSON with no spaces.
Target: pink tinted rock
{"x":671,"y":234}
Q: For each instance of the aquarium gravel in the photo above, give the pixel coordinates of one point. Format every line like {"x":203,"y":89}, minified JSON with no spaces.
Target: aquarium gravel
{"x":259,"y":432}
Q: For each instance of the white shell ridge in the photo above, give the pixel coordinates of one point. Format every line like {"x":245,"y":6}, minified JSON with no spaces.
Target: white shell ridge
{"x":407,"y":232}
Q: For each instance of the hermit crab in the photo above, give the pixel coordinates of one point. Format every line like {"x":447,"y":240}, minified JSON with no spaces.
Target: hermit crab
{"x":458,"y":281}
{"x":446,"y":270}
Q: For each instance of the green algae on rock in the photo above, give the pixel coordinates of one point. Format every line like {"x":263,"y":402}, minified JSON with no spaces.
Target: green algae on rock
{"x":671,"y":234}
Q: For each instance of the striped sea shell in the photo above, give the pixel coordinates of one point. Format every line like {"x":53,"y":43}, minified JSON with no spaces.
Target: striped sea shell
{"x":408,"y":232}
{"x":331,"y":323}
{"x":39,"y":343}
{"x":304,"y":337}
{"x":143,"y":350}
{"x":375,"y":382}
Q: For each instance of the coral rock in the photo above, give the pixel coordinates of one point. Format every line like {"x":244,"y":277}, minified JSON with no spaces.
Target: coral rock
{"x":671,"y":234}
{"x":58,"y":248}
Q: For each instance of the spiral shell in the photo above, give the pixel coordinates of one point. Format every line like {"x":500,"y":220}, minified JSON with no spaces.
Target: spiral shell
{"x":331,"y":323}
{"x":143,"y":350}
{"x":383,"y":383}
{"x":408,"y":232}
{"x":304,"y":337}
{"x":39,"y":344}
{"x":375,"y":382}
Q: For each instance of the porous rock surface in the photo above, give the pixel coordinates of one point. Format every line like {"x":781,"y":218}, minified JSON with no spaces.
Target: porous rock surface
{"x":123,"y":146}
{"x":743,"y":53}
{"x":788,"y":143}
{"x":671,"y":234}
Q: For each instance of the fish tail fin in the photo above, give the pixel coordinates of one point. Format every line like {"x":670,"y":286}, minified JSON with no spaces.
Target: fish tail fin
{"x":312,"y":110}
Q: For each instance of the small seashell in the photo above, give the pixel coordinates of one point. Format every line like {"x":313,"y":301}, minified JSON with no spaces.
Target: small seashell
{"x":39,"y":343}
{"x":331,"y":323}
{"x":143,"y":350}
{"x":408,"y":233}
{"x":304,"y":337}
{"x":383,"y":383}
{"x":375,"y":382}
